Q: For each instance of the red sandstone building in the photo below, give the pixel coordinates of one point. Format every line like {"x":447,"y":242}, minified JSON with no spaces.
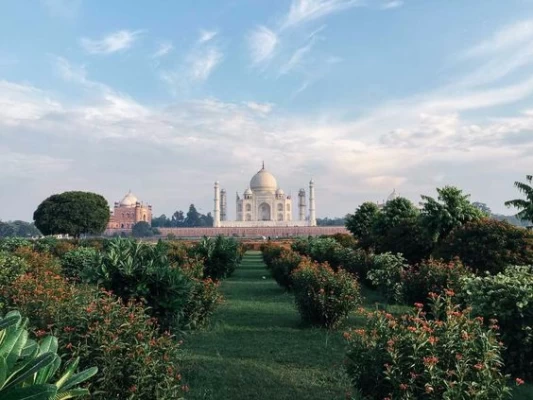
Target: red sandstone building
{"x":128,"y":212}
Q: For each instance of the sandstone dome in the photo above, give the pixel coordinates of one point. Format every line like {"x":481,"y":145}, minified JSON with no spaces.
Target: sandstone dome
{"x":129,"y":200}
{"x":263,"y":181}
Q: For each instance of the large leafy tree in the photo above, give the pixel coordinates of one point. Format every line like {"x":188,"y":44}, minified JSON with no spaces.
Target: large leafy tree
{"x":451,"y":209}
{"x":142,"y":229}
{"x":360,"y":223}
{"x":73,"y":213}
{"x":524,"y":205}
{"x":394,"y":213}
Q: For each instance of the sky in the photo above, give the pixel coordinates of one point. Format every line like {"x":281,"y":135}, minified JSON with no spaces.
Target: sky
{"x":166,"y":97}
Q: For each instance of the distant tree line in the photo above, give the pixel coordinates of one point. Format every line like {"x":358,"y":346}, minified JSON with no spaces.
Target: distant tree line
{"x":179,"y":219}
{"x":18,"y":228}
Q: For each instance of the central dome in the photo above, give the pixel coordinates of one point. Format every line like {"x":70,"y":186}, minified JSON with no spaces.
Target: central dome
{"x":264,"y":181}
{"x":129,"y":200}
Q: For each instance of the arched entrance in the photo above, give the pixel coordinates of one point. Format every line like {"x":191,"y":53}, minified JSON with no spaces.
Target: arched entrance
{"x":264,"y":212}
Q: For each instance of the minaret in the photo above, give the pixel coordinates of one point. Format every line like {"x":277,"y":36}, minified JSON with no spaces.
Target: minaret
{"x":216,"y":217}
{"x":223,"y":205}
{"x":301,"y":204}
{"x":312,"y":210}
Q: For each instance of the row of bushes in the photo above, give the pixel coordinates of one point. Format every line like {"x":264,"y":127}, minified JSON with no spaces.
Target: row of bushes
{"x":506,"y":296}
{"x":114,"y":304}
{"x":324,"y":296}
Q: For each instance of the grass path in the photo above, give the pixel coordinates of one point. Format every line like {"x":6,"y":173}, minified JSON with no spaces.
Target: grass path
{"x":257,"y":348}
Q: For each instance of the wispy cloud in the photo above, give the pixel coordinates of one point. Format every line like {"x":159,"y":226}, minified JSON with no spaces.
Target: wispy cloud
{"x":206,"y":36}
{"x":263,"y":108}
{"x":163,"y":49}
{"x":302,"y":11}
{"x":262,"y":42}
{"x":113,"y":42}
{"x":512,"y":35}
{"x":62,"y":8}
{"x":296,"y":58}
{"x":389,"y":5}
{"x":202,"y":63}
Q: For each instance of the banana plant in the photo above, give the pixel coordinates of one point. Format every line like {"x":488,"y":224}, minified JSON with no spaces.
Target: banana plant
{"x":28,"y":368}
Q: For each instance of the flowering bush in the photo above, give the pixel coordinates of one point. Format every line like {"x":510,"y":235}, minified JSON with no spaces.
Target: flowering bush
{"x":136,"y":361}
{"x":385,"y":273}
{"x":324,"y":297}
{"x":355,"y":261}
{"x":430,"y":276}
{"x":270,"y":252}
{"x":283,"y":266}
{"x":11,"y":267}
{"x":452,"y":356}
{"x":221,"y":256}
{"x":39,"y":262}
{"x":74,"y":262}
{"x":13,"y":243}
{"x":508,"y":298}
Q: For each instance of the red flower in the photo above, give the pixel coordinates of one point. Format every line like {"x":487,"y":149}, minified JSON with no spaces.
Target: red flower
{"x":519,"y":381}
{"x":419,"y":305}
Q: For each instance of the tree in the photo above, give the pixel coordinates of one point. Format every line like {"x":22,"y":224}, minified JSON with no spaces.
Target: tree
{"x":360,"y":223}
{"x":483,"y":207}
{"x":18,"y":228}
{"x":193,"y":217}
{"x":142,"y":229}
{"x":524,"y":205}
{"x":450,"y":210}
{"x":72,"y":213}
{"x":161,"y":222}
{"x":207,"y":220}
{"x":178,"y":219}
{"x":394,"y":213}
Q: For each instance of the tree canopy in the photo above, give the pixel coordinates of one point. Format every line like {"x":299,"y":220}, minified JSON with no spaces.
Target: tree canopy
{"x":193,"y":218}
{"x":525,"y":206}
{"x":73,"y":213}
{"x":18,"y":229}
{"x":360,"y":223}
{"x":451,"y":209}
{"x":142,"y":229}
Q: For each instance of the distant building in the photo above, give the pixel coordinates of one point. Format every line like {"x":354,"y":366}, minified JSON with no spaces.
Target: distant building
{"x":394,"y":195}
{"x":128,"y":212}
{"x":264,"y":204}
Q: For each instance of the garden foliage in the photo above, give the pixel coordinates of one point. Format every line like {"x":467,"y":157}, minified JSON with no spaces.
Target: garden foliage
{"x":385,"y":273}
{"x":489,"y":245}
{"x":221,"y":256}
{"x":324,"y":297}
{"x":508,"y":298}
{"x":452,"y":356}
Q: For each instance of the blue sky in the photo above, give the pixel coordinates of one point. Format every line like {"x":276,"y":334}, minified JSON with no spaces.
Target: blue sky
{"x":165,"y":97}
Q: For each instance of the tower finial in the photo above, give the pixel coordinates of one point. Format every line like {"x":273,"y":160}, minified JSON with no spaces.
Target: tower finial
{"x":263,"y":164}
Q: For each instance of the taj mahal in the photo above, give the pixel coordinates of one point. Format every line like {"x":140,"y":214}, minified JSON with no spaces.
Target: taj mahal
{"x":264,"y":204}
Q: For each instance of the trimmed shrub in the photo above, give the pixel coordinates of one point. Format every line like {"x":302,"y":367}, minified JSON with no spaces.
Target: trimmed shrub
{"x":324,"y":297}
{"x":357,"y":262}
{"x":74,"y":262}
{"x":140,"y":271}
{"x":488,"y":245}
{"x":453,"y":356}
{"x":345,"y":240}
{"x":430,"y":276}
{"x":283,"y":266}
{"x":302,"y":246}
{"x":270,"y":252}
{"x":135,"y":359}
{"x":221,"y":256}
{"x":385,"y":274}
{"x":508,"y":299}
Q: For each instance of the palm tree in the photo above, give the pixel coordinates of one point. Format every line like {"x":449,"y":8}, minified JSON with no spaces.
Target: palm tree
{"x":524,"y":205}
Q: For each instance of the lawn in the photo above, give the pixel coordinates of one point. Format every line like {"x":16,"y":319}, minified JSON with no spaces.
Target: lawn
{"x":257,"y":347}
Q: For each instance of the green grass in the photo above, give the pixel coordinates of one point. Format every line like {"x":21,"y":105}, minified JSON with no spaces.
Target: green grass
{"x":257,"y":347}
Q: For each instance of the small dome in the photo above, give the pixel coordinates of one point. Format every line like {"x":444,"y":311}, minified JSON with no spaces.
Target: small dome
{"x":280,"y":192}
{"x":264,"y":181}
{"x":248,"y":192}
{"x":129,"y":200}
{"x":393,"y":195}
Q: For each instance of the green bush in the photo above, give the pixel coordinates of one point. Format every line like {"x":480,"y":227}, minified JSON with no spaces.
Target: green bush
{"x":221,"y":256}
{"x":508,"y":298}
{"x":302,"y":245}
{"x":74,"y":262}
{"x":140,"y":271}
{"x":11,"y":267}
{"x":27,"y":368}
{"x":46,"y":244}
{"x":324,"y":297}
{"x":452,"y":356}
{"x":270,"y":252}
{"x":430,"y":276}
{"x":136,"y":360}
{"x":385,"y":274}
{"x":355,"y":261}
{"x":408,"y":238}
{"x":13,"y":243}
{"x":488,"y":245}
{"x":283,"y":266}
